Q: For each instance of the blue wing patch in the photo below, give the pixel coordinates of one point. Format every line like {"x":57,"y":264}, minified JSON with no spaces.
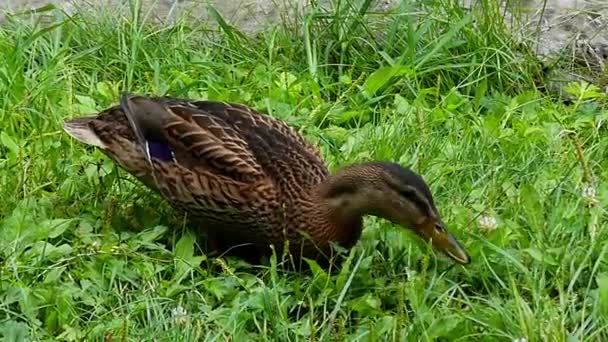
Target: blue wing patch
{"x":160,"y":151}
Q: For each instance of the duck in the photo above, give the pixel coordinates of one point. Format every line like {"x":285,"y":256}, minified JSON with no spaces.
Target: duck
{"x":249,"y":179}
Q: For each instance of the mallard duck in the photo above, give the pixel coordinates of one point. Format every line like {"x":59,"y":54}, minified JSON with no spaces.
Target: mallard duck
{"x":250,"y":179}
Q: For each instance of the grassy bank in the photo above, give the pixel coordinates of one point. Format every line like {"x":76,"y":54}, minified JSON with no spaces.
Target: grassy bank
{"x":86,"y":252}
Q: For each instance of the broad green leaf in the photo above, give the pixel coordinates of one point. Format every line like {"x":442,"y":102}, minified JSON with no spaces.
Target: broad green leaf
{"x":55,"y":227}
{"x":367,"y":305}
{"x":444,"y":326}
{"x":108,"y":90}
{"x":538,"y":255}
{"x":382,"y":76}
{"x":7,"y":141}
{"x":13,"y":331}
{"x":53,"y":275}
{"x":401,"y":104}
{"x":60,"y":251}
{"x":602,"y":286}
{"x":584,"y":90}
{"x":184,"y":248}
{"x":184,"y":257}
{"x":87,"y":104}
{"x":151,"y":235}
{"x":320,"y":277}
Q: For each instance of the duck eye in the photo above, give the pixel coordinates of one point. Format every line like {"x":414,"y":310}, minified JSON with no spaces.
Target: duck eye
{"x":439,"y":228}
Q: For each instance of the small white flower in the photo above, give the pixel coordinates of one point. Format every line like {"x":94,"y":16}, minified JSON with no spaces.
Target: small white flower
{"x":411,"y":273}
{"x":179,"y":315}
{"x":521,"y":339}
{"x":94,"y":246}
{"x":589,"y":194}
{"x":488,"y":223}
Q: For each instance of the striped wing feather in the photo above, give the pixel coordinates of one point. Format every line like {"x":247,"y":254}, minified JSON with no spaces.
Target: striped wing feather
{"x":245,"y":144}
{"x":234,"y":168}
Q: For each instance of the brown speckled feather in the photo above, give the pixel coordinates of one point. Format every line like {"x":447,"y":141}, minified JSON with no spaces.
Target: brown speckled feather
{"x":243,"y":174}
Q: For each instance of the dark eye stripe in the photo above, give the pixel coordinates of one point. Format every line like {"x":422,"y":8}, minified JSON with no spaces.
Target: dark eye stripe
{"x":416,"y":197}
{"x":440,"y":228}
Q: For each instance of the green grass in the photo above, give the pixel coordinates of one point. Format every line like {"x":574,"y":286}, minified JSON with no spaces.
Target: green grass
{"x":86,"y":252}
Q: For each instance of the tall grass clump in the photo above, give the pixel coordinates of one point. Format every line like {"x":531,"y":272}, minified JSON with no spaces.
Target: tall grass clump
{"x":87,"y":253}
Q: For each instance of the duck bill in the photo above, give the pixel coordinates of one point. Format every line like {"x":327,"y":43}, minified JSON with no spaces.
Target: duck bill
{"x":454,"y":250}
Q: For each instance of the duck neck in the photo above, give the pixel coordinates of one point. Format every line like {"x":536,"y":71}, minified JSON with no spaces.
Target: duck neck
{"x":340,"y":206}
{"x":341,"y":226}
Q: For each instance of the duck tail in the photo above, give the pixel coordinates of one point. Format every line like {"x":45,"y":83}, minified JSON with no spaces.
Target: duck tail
{"x":81,"y":130}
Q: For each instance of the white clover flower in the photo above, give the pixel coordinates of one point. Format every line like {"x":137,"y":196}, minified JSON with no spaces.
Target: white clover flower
{"x":179,"y":315}
{"x":411,"y":273}
{"x":488,"y":223}
{"x":589,"y":194}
